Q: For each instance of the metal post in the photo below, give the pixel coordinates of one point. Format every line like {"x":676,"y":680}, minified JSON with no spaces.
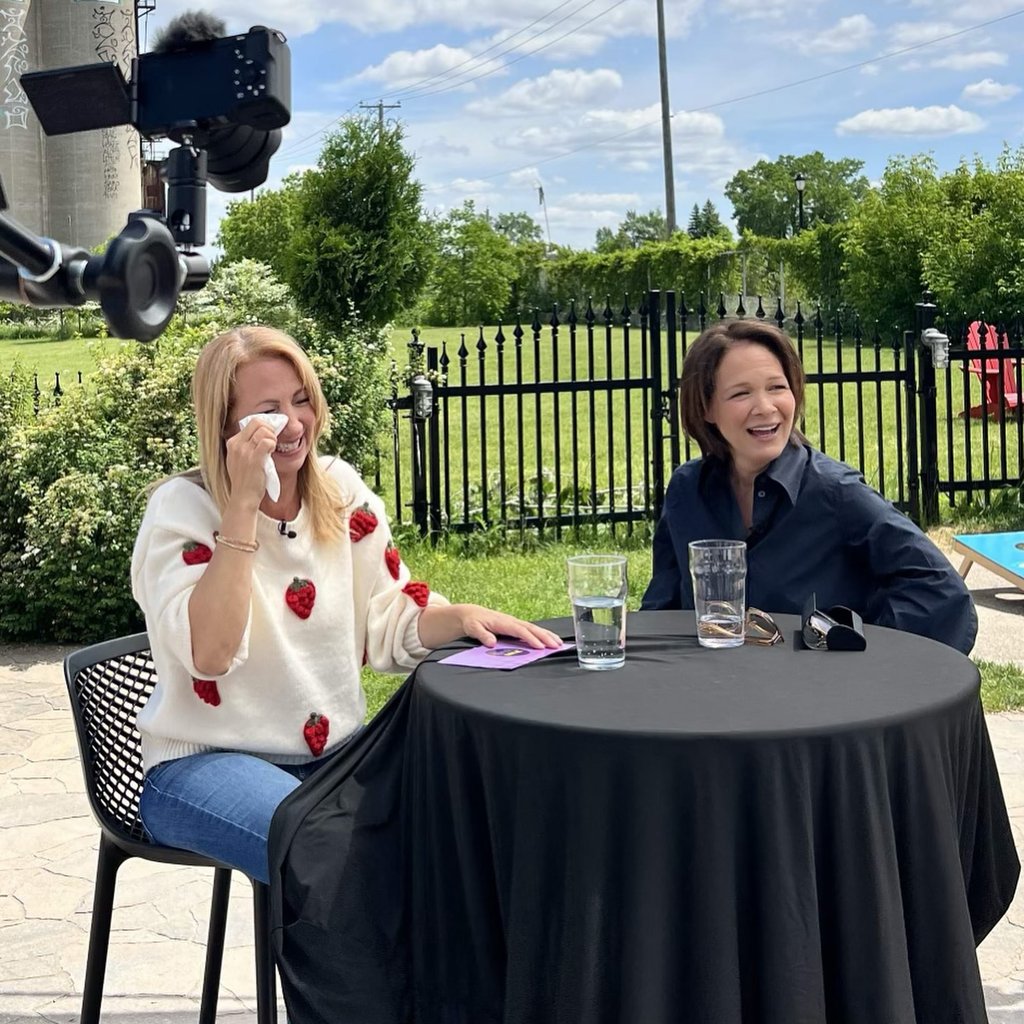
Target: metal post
{"x":666,"y":125}
{"x":434,"y":454}
{"x":924,"y":317}
{"x":659,"y":403}
{"x":422,"y":407}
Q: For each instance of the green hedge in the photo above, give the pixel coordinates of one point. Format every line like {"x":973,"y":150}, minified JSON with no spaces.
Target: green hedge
{"x":73,"y":480}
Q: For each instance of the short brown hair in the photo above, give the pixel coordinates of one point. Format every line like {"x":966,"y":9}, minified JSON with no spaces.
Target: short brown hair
{"x":700,"y":367}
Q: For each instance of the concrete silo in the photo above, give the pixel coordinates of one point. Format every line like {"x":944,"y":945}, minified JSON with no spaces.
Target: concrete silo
{"x":76,"y":188}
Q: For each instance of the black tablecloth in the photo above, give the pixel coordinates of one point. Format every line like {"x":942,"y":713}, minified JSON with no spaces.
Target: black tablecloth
{"x":760,"y":834}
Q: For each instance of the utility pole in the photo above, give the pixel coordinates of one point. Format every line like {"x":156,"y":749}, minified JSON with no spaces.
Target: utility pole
{"x":666,"y":124}
{"x":380,"y":106}
{"x":544,"y":204}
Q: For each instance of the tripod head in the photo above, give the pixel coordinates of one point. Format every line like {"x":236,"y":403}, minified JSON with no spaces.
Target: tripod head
{"x":136,"y":281}
{"x":223,"y":99}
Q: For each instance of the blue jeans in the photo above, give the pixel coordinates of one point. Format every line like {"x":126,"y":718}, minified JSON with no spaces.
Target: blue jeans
{"x":219,"y":805}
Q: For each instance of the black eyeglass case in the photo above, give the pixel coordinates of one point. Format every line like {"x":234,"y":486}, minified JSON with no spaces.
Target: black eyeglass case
{"x":835,"y":629}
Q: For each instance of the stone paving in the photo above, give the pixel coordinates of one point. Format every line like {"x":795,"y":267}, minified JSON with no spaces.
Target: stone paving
{"x":48,"y":845}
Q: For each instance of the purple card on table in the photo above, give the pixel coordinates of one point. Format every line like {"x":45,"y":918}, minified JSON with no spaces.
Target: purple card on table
{"x":504,"y":655}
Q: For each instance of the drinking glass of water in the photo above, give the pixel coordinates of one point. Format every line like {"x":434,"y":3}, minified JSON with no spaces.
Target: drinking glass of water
{"x":719,"y":572}
{"x":597,"y":589}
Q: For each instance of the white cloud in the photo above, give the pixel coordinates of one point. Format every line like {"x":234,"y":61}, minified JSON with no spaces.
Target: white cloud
{"x":560,"y":90}
{"x":404,"y":68}
{"x":768,"y":10}
{"x":971,"y":61}
{"x":949,"y":120}
{"x":989,"y":91}
{"x":847,"y":34}
{"x":910,"y":33}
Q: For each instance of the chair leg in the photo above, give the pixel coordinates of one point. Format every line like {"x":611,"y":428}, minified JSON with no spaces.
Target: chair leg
{"x":110,"y":859}
{"x":215,"y":945}
{"x":266,"y":980}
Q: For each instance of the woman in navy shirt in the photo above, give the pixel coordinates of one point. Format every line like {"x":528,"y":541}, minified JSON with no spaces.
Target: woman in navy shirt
{"x":812,"y":525}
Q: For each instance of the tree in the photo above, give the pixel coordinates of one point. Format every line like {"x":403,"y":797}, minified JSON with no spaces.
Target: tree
{"x":887,"y":239}
{"x":518,"y":228}
{"x":474,"y":272}
{"x":705,"y":223}
{"x":973,"y":257}
{"x":361,"y":240}
{"x":635,"y":230}
{"x":259,"y":228}
{"x":764,"y":197}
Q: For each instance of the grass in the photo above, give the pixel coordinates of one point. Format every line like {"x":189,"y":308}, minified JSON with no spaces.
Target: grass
{"x":45,"y":357}
{"x":616,"y":457}
{"x":532,"y":585}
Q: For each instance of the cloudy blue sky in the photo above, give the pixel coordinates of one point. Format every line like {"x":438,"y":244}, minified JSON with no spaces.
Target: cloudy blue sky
{"x":498,"y":98}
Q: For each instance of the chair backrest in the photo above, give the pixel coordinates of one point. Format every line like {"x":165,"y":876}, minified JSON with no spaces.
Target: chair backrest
{"x":108,"y":684}
{"x":974,"y":344}
{"x":1011,"y":390}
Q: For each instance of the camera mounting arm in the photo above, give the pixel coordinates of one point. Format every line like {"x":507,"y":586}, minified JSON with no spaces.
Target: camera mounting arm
{"x":136,"y":281}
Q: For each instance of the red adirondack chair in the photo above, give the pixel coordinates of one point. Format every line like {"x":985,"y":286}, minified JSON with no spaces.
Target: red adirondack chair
{"x":998,"y":376}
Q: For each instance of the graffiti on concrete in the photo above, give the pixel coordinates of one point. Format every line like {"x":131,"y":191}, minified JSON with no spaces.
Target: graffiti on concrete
{"x":13,"y":62}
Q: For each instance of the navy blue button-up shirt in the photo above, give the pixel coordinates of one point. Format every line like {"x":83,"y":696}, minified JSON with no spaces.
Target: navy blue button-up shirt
{"x":817,"y":528}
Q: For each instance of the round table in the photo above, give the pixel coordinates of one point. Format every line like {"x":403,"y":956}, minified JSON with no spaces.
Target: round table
{"x":761,"y":834}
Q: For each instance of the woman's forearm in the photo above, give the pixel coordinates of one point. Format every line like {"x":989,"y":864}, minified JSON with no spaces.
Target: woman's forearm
{"x":218,"y":608}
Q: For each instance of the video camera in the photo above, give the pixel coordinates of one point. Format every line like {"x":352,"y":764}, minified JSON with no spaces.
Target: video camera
{"x":222,"y":99}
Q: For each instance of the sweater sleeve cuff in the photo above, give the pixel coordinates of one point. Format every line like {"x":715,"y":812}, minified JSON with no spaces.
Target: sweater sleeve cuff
{"x":176,"y":634}
{"x":411,"y":641}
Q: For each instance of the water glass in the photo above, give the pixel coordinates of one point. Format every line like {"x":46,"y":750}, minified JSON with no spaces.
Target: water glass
{"x":597,"y":590}
{"x":719,"y":572}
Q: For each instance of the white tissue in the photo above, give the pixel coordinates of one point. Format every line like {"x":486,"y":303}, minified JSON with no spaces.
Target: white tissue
{"x":277,"y":422}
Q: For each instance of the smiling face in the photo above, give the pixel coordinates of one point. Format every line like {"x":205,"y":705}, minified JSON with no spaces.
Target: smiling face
{"x":273,"y":385}
{"x":752,"y":406}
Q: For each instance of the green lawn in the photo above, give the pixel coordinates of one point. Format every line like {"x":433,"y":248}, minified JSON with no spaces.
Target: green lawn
{"x":46,"y":357}
{"x":533,"y":586}
{"x":610,"y":442}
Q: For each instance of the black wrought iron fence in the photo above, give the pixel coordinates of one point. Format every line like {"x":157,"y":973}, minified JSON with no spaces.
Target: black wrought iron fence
{"x":575,"y":422}
{"x":47,"y":391}
{"x":975,"y":403}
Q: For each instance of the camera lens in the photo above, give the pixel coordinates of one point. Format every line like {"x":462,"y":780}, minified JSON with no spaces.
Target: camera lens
{"x":238,"y":158}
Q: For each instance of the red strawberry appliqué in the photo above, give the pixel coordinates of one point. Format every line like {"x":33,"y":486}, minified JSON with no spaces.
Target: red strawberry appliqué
{"x":362,"y":522}
{"x":393,"y":560}
{"x":315,"y":732}
{"x":206,"y":690}
{"x":419,"y":592}
{"x":300,"y":596}
{"x":194,"y":553}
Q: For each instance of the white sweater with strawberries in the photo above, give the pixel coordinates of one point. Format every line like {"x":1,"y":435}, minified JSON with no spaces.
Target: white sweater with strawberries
{"x":317,"y":611}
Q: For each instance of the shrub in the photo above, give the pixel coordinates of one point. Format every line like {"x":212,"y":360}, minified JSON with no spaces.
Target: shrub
{"x":73,"y":480}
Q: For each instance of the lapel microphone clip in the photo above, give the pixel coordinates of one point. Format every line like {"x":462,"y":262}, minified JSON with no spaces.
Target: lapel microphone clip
{"x":282,"y":528}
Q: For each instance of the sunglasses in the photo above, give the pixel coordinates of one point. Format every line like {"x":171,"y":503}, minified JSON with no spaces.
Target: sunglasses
{"x":762,"y":629}
{"x":758,"y":628}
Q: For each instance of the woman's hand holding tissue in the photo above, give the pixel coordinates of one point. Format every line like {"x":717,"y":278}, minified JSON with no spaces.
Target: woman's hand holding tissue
{"x":248,"y":452}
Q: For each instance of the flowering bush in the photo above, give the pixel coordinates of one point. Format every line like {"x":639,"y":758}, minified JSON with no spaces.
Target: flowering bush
{"x":74,"y":480}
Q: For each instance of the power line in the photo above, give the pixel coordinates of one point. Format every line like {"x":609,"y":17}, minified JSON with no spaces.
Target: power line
{"x":380,"y":106}
{"x":447,"y":85}
{"x":475,"y":56}
{"x":522,"y":56}
{"x":746,"y":96}
{"x":293,"y":148}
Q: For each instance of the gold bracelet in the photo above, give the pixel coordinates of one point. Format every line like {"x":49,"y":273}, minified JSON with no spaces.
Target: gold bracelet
{"x":249,"y":546}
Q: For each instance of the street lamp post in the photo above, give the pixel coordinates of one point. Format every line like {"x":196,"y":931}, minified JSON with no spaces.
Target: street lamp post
{"x":800,"y":180}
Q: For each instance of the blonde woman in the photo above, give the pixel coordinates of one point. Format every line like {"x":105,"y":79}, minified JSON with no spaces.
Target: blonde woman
{"x":262,"y":610}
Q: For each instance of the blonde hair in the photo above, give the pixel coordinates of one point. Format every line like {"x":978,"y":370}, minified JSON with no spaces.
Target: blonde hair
{"x":213,"y":388}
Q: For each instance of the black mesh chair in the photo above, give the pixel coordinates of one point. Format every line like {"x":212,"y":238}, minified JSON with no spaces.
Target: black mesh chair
{"x":108,"y":683}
